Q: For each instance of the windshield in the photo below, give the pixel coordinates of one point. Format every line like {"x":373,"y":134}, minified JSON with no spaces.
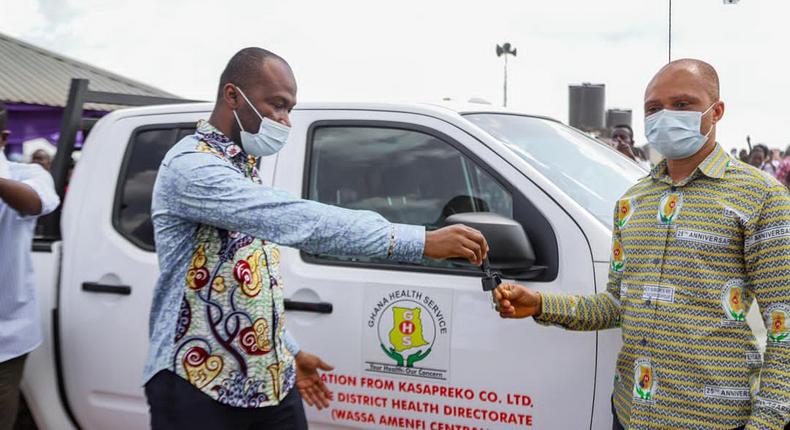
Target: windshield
{"x":592,"y":174}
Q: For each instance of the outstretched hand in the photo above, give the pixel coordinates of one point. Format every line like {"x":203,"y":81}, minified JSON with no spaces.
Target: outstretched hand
{"x":308,"y":381}
{"x":517,"y":301}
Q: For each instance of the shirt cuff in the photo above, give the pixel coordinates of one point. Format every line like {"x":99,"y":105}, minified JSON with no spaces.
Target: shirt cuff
{"x":556,"y":309}
{"x":291,"y":344}
{"x":407,"y":243}
{"x":46,"y":193}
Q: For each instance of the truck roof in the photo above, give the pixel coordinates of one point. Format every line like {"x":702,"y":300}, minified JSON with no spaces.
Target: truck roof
{"x":432,"y":109}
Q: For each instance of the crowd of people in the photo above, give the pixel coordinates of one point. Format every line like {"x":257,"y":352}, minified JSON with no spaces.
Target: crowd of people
{"x":774,"y":161}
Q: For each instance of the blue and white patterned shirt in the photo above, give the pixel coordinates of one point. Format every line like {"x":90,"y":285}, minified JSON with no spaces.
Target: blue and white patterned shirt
{"x":217,"y":312}
{"x":20,"y":327}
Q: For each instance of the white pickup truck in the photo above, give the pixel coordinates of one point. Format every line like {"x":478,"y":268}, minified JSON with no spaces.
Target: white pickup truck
{"x":413,"y":346}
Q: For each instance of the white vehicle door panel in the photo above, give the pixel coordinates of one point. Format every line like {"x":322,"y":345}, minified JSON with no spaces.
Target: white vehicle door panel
{"x":104,"y":336}
{"x":548,"y":366}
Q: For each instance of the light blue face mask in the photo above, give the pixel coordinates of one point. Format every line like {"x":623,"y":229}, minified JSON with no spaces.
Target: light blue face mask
{"x":269,"y":139}
{"x":676,"y":134}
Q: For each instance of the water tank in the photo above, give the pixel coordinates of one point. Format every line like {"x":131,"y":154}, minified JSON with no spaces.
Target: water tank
{"x":586,"y":106}
{"x":615,"y":117}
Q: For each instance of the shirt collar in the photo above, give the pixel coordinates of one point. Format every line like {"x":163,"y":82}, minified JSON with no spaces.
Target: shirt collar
{"x":211,"y":135}
{"x":713,"y":166}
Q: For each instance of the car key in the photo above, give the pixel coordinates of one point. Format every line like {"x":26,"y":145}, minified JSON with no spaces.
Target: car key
{"x":491,"y":280}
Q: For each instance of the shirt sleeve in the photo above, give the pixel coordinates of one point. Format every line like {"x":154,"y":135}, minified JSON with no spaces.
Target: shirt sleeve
{"x":767,"y":260}
{"x":290,"y":343}
{"x":202,"y":188}
{"x":586,"y":313}
{"x":35,"y":177}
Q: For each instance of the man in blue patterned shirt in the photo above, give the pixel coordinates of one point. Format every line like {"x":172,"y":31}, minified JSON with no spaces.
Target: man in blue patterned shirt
{"x":220,"y":356}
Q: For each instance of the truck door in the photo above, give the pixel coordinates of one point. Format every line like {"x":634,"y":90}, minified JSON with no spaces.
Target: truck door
{"x":110,"y":269}
{"x":420,"y":346}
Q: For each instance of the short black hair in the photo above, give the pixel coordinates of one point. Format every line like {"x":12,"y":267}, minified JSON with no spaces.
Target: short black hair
{"x":627,"y":127}
{"x":245,"y":66}
{"x":762,"y":148}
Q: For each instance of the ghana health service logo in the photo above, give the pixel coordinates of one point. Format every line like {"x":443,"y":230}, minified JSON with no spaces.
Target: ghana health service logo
{"x":408,"y":334}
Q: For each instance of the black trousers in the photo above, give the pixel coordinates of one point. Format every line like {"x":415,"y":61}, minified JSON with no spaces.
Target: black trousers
{"x":10,"y":377}
{"x":177,"y":404}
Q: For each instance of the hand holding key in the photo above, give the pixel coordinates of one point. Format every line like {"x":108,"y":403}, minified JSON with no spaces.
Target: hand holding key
{"x":456,"y":241}
{"x":517,"y":301}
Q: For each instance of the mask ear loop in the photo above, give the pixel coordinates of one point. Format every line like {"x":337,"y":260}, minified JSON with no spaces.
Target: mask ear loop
{"x":712,"y":124}
{"x":238,"y":121}
{"x":249,"y":102}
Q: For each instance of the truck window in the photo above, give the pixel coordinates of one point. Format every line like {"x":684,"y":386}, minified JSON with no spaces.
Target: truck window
{"x":588,"y":172}
{"x":408,"y":176}
{"x":146,"y":149}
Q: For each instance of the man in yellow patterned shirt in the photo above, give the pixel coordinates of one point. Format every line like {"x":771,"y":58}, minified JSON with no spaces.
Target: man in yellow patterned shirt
{"x":695,"y":244}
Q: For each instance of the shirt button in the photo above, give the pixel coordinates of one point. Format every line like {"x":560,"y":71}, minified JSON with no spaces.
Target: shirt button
{"x":656,"y":261}
{"x":648,"y":302}
{"x":643,"y":342}
{"x":673,"y":188}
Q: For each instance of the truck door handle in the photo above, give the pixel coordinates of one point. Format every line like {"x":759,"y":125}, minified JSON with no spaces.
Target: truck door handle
{"x":317,"y":307}
{"x":95,"y":287}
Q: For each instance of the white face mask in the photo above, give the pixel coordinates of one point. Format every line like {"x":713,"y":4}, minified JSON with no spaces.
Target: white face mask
{"x":5,"y":169}
{"x":676,"y":134}
{"x":269,"y":139}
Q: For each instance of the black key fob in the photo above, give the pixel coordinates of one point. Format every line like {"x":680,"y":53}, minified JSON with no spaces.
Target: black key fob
{"x":490,"y":280}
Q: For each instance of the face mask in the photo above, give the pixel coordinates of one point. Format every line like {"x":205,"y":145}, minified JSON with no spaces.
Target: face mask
{"x":5,"y":169}
{"x":269,"y":139}
{"x":676,"y":134}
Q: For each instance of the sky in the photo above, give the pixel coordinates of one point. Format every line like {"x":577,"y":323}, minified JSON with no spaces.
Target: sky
{"x":424,"y":51}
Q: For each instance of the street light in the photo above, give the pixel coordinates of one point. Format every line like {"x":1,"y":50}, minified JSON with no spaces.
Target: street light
{"x":505,"y":50}
{"x":669,"y":54}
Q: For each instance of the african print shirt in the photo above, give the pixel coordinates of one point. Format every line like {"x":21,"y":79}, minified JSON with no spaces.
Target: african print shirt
{"x":217,"y":318}
{"x":688,"y":261}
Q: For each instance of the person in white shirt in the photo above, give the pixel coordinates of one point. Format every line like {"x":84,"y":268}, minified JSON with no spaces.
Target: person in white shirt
{"x":27,"y":191}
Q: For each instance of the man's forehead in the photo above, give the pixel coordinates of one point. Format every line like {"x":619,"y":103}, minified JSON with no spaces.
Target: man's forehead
{"x":276,"y":74}
{"x":676,"y":82}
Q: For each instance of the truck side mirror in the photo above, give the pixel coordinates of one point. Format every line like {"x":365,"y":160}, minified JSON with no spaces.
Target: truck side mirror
{"x":511,"y":253}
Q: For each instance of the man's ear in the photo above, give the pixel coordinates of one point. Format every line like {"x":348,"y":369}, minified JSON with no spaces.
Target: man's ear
{"x":718,"y":111}
{"x":231,"y":95}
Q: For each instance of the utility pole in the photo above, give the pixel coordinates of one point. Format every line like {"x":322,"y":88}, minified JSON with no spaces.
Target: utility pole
{"x":669,"y":54}
{"x":669,"y":32}
{"x":505,"y":50}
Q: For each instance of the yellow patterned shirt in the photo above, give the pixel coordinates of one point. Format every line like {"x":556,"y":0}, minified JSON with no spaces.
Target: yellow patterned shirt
{"x":688,"y":261}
